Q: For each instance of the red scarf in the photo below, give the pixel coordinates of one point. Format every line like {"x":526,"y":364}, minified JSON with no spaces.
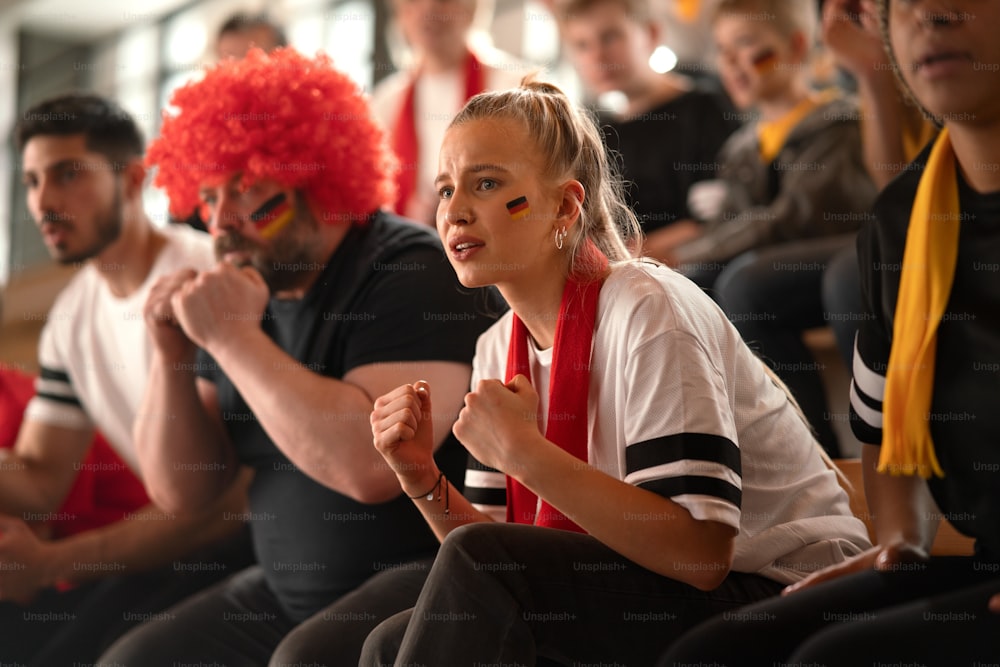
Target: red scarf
{"x":404,"y":136}
{"x":568,"y":388}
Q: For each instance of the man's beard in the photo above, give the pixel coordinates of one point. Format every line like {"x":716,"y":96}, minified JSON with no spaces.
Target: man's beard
{"x":288,"y":261}
{"x":108,"y":225}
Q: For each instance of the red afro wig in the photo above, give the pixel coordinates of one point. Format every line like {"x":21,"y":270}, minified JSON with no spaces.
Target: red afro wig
{"x":279,"y":116}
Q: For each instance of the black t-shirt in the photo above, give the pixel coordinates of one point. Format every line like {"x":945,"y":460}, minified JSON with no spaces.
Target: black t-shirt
{"x":387,"y":294}
{"x":663,"y":152}
{"x":965,"y":408}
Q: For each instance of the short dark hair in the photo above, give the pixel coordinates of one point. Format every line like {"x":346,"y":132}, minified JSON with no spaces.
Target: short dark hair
{"x":107,"y":128}
{"x":242,"y":21}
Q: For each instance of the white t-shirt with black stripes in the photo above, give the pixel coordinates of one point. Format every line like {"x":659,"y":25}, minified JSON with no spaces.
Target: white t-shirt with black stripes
{"x":680,"y":406}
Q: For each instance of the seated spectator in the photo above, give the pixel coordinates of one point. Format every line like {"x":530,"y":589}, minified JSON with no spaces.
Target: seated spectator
{"x":83,"y":173}
{"x":675,"y":479}
{"x":670,"y":130}
{"x":269,"y":360}
{"x":416,"y":104}
{"x":793,"y":173}
{"x":807,"y":284}
{"x":925,"y":388}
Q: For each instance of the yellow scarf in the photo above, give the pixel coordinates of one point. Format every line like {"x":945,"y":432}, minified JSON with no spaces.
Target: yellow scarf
{"x":771,"y":136}
{"x":924,"y":287}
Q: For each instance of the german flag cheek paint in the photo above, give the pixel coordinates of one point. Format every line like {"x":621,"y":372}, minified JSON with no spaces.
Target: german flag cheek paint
{"x":765,"y":60}
{"x":518,"y":208}
{"x":273,"y":215}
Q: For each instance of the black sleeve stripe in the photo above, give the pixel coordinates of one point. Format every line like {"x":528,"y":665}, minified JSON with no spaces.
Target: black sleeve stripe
{"x":694,"y":485}
{"x":680,"y":446}
{"x":868,"y":400}
{"x":59,"y":398}
{"x":54,"y":375}
{"x":481,"y":496}
{"x":473,"y":464}
{"x":864,"y":431}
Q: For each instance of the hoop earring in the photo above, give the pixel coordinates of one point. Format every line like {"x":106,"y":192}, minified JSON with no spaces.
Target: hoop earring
{"x":560,"y":237}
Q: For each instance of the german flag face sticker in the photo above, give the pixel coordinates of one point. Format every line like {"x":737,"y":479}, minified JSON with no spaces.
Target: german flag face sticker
{"x":273,"y":215}
{"x":765,"y":60}
{"x":518,"y":208}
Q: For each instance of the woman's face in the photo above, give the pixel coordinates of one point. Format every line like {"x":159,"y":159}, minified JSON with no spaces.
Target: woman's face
{"x":497,"y":210}
{"x":949,"y":55}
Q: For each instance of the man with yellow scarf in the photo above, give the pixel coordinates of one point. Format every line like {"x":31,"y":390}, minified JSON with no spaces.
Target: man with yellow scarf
{"x":925,"y":389}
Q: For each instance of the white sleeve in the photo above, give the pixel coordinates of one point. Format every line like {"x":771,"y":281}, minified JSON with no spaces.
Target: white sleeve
{"x":680,"y":428}
{"x":55,"y":401}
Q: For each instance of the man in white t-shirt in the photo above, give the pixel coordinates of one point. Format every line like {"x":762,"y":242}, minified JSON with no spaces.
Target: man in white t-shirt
{"x":67,"y":599}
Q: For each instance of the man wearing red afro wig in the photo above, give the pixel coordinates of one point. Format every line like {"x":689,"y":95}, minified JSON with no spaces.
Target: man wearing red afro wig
{"x":270,"y":360}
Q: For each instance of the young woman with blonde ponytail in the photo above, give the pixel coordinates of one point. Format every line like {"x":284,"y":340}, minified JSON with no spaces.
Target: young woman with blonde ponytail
{"x":635,"y":467}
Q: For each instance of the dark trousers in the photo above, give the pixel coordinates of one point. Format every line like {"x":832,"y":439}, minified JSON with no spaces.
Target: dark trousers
{"x":240,"y":622}
{"x":73,"y":627}
{"x":513,"y":595}
{"x":772,"y":295}
{"x":930,"y":614}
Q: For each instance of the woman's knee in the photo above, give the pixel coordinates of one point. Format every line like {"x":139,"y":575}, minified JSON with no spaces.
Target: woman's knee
{"x":471,"y":542}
